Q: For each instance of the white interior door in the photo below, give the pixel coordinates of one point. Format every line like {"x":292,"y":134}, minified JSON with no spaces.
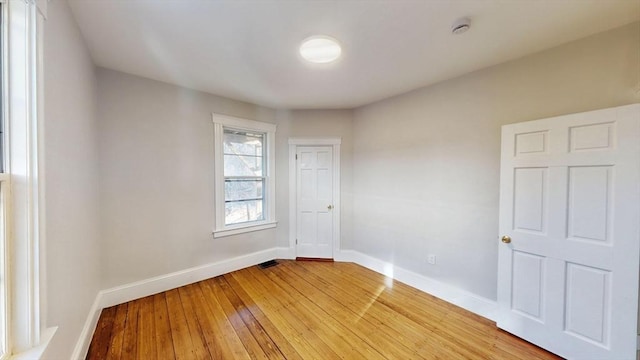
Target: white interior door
{"x":315,"y":195}
{"x":570,"y":204}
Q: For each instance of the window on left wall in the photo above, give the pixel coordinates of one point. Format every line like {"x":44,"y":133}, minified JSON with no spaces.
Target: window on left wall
{"x":244,"y":175}
{"x":24,"y":335}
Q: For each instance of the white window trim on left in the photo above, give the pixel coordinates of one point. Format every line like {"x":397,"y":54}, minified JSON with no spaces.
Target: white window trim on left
{"x":23,"y":21}
{"x":220,"y":122}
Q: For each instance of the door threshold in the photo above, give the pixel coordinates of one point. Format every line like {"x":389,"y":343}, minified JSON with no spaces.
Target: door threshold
{"x":314,"y":259}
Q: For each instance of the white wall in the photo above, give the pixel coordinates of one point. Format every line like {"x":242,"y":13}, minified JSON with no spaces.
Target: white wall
{"x":71,"y":169}
{"x":156,"y":171}
{"x":315,"y":124}
{"x":426,"y":163}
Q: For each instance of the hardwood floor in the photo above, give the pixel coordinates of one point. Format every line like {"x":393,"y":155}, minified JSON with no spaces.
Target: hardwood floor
{"x":300,"y":310}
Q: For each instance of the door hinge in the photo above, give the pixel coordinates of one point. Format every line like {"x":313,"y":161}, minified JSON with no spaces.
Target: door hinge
{"x":296,"y":241}
{"x":296,"y":156}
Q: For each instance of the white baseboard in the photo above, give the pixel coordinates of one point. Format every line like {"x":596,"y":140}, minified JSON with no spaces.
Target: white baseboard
{"x":464,"y":299}
{"x":82,"y":346}
{"x":140,"y":289}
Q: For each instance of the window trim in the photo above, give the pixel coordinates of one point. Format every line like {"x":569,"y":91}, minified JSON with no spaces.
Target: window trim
{"x":5,"y":302}
{"x":269,"y":206}
{"x":5,"y":189}
{"x":23,"y":115}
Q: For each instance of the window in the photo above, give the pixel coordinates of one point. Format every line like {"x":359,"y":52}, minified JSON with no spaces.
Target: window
{"x":22,"y":199}
{"x":244,"y":179}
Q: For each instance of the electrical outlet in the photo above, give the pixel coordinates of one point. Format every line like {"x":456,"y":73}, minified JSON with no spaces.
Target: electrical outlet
{"x":431,"y":259}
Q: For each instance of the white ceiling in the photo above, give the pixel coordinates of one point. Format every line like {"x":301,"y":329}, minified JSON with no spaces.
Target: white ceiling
{"x":247,"y":50}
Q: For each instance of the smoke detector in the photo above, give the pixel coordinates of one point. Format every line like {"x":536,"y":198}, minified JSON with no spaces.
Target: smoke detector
{"x":460,"y":26}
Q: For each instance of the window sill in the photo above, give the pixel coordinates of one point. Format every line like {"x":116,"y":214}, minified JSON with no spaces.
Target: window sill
{"x":38,"y":351}
{"x":245,"y":228}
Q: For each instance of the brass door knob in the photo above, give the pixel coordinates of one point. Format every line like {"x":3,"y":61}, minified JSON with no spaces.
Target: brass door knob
{"x":506,"y":239}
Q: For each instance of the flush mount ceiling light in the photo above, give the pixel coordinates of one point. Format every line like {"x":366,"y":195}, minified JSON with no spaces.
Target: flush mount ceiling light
{"x":320,"y":49}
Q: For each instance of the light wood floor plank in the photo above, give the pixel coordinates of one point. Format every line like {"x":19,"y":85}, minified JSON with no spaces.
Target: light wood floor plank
{"x":287,"y":349}
{"x":407,"y":330}
{"x":130,"y":341}
{"x":312,"y":314}
{"x":117,"y":334}
{"x":211,"y":334}
{"x":281,"y":308}
{"x":248,"y":340}
{"x":266,"y":343}
{"x":442,"y":341}
{"x":222,"y":325}
{"x":300,"y":335}
{"x":164,"y":340}
{"x":360,"y":323}
{"x":146,"y":346}
{"x":301,"y":310}
{"x":197,"y":338}
{"x":180,"y":334}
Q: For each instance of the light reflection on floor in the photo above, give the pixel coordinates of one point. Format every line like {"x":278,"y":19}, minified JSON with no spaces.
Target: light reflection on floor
{"x":388,"y":283}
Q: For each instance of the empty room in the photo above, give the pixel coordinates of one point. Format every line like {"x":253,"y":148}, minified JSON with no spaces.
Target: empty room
{"x":319,"y":179}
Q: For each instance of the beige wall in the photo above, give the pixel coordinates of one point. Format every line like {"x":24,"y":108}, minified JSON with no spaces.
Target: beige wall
{"x":71,"y":169}
{"x":426,"y":163}
{"x":156,"y":171}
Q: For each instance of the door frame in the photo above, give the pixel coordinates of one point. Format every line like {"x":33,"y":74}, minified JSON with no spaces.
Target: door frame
{"x":294,"y":143}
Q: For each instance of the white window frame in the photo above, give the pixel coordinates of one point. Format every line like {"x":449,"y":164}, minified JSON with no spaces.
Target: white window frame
{"x":22,"y":182}
{"x":5,"y":191}
{"x":269,"y":205}
{"x":5,"y":350}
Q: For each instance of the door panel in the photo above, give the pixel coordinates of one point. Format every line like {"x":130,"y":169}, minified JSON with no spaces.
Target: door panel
{"x":530,"y":199}
{"x":528,"y":290}
{"x":589,"y":205}
{"x":592,"y":137}
{"x":570,"y":202}
{"x":588,"y":303}
{"x":531,"y":143}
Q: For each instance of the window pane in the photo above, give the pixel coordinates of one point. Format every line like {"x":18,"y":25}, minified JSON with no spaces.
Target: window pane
{"x":240,"y":165}
{"x":243,"y":153}
{"x":243,"y":189}
{"x":243,"y":211}
{"x":242,"y":143}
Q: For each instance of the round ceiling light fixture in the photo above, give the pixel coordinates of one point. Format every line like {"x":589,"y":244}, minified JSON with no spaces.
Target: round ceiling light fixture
{"x":320,"y":49}
{"x":460,"y":26}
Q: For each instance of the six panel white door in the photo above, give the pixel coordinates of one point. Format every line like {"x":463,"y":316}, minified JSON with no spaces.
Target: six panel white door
{"x":570,"y":202}
{"x":314,"y":234}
